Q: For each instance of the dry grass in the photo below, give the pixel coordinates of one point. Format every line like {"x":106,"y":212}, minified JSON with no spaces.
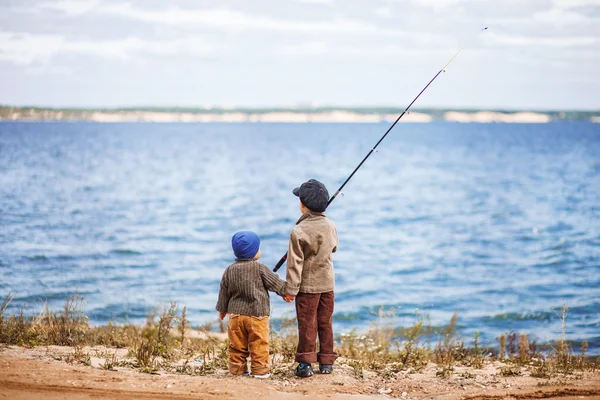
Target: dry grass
{"x":64,"y":328}
{"x":162,"y":343}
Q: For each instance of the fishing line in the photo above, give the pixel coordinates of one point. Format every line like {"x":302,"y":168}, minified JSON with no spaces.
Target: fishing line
{"x":374,"y":149}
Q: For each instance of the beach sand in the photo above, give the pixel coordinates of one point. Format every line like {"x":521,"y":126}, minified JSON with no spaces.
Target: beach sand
{"x":42,"y":373}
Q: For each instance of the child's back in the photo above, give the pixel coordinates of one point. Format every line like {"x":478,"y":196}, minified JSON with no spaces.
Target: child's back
{"x":245,"y":285}
{"x":244,"y":295}
{"x":310,"y":262}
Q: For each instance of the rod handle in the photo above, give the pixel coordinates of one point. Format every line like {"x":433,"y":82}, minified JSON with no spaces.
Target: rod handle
{"x":280,"y":263}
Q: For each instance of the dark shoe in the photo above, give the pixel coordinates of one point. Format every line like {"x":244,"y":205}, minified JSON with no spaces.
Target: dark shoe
{"x":304,"y":370}
{"x":325,"y":368}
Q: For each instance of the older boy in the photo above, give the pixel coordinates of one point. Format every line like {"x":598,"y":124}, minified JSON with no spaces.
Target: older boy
{"x":244,"y":295}
{"x":310,"y":278}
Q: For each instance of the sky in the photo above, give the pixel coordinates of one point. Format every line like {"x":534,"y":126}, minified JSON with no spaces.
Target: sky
{"x":536,"y":54}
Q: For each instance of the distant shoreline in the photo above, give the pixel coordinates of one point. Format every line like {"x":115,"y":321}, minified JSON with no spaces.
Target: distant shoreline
{"x":289,"y":115}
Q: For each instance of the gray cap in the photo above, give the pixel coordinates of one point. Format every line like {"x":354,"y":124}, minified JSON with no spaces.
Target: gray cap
{"x":313,"y":194}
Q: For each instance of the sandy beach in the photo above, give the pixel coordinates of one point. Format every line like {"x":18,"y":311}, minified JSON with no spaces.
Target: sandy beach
{"x":48,"y":373}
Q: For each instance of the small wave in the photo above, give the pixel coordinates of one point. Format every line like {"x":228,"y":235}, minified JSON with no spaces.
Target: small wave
{"x":559,"y":227}
{"x":383,"y":222}
{"x":527,"y":238}
{"x":42,"y":258}
{"x":175,"y":238}
{"x":486,"y":243}
{"x":409,"y":271}
{"x":284,"y":221}
{"x":503,"y":215}
{"x":126,"y":252}
{"x":593,"y":242}
{"x":480,"y":256}
{"x":355,"y":294}
{"x":562,"y":247}
{"x":142,"y":266}
{"x":548,"y":264}
{"x":37,"y":258}
{"x":349,"y":317}
{"x":134,"y":313}
{"x":274,"y":236}
{"x":536,"y":316}
{"x":34,"y":302}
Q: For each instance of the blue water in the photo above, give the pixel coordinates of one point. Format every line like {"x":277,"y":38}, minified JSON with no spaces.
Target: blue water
{"x":499,"y":222}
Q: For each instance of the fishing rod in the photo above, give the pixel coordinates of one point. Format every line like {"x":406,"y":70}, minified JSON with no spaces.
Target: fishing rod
{"x":284,"y":258}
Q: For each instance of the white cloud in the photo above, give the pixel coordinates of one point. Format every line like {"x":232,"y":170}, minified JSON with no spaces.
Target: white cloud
{"x":562,"y":14}
{"x":25,"y":49}
{"x":383,"y":12}
{"x":46,"y":70}
{"x":306,"y":49}
{"x":575,"y":3}
{"x":321,"y":49}
{"x":315,"y":1}
{"x":559,"y":17}
{"x":519,"y":40}
{"x":227,"y":19}
{"x":72,"y":7}
{"x":546,"y":35}
{"x":437,"y":4}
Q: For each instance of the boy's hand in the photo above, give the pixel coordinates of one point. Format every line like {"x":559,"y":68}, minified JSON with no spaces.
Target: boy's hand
{"x":222,"y":315}
{"x":288,"y":297}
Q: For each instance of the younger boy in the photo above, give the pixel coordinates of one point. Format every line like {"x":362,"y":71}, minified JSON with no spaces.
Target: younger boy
{"x":244,"y":296}
{"x":310,"y":278}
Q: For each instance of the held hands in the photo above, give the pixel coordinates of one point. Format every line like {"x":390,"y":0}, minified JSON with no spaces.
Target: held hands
{"x":222,"y":315}
{"x":288,"y":297}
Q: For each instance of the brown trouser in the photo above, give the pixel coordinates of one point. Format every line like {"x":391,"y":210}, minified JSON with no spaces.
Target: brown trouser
{"x":248,"y":336}
{"x":314,"y":312}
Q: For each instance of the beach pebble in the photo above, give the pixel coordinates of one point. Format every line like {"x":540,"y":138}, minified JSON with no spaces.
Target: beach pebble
{"x":404,"y":394}
{"x":385,"y":391}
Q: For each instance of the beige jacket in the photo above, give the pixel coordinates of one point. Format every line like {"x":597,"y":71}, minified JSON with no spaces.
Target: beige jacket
{"x":309,"y":261}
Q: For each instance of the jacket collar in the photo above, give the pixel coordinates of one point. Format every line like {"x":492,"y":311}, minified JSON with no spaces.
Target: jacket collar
{"x":244,"y":259}
{"x":310,"y":214}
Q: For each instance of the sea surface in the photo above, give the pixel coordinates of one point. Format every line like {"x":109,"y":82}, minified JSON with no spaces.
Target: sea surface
{"x":498,"y":222}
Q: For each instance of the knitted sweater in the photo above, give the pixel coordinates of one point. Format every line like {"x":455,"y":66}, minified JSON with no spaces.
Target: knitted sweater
{"x":244,"y":288}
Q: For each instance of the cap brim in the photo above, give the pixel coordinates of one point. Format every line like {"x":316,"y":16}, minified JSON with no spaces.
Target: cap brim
{"x":296,"y":192}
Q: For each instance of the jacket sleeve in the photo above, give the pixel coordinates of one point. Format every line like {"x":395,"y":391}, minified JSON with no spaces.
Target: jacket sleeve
{"x":295,"y":263}
{"x":223,"y":302}
{"x":271,"y":280}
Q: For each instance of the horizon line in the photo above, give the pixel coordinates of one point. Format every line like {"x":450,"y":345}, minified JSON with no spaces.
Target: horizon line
{"x":300,"y":107}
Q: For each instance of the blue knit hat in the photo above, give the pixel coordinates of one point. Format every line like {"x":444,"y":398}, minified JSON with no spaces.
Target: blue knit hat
{"x":245,"y":244}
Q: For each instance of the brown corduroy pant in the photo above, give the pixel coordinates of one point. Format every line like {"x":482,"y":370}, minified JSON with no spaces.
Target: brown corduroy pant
{"x":314,"y":312}
{"x":248,"y":336}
